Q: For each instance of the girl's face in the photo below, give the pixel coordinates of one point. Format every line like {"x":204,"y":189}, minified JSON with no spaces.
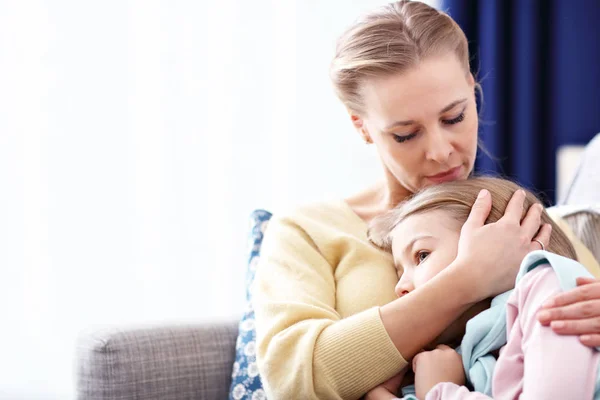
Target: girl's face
{"x":423,"y":245}
{"x":423,"y":122}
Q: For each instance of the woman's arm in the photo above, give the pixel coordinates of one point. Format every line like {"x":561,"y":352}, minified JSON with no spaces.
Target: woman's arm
{"x":417,"y":318}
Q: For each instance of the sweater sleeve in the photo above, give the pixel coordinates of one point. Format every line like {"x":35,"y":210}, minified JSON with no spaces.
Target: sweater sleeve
{"x":304,"y":348}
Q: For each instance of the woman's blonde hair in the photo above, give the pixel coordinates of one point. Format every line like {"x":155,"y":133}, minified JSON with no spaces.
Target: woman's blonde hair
{"x":391,"y":40}
{"x":457,"y":198}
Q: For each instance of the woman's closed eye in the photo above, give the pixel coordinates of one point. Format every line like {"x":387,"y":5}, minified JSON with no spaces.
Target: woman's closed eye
{"x":453,"y":121}
{"x":421,"y":256}
{"x":402,"y":139}
{"x":459,"y":118}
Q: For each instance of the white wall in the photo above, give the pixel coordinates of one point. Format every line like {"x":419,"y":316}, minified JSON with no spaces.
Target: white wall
{"x":567,"y":161}
{"x":135,"y":139}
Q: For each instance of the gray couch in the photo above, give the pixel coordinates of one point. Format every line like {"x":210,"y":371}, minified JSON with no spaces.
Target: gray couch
{"x":179,"y":362}
{"x":194,"y":361}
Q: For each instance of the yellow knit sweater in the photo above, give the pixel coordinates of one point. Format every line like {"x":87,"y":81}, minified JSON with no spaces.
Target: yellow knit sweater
{"x":317,"y":293}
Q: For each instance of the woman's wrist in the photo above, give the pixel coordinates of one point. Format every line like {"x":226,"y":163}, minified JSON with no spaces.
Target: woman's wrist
{"x":458,"y":275}
{"x":417,"y":318}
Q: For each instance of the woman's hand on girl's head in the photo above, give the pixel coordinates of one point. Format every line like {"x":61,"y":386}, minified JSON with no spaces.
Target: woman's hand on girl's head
{"x":491,"y":254}
{"x":575,"y":312}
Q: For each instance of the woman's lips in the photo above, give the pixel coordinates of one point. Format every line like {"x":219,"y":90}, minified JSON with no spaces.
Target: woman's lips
{"x":446,"y":176}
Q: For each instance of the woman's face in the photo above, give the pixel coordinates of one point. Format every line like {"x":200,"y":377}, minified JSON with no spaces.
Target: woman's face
{"x":423,"y":122}
{"x":423,"y":245}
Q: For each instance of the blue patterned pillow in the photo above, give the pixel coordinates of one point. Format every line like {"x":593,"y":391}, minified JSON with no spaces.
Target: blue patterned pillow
{"x":245,"y":381}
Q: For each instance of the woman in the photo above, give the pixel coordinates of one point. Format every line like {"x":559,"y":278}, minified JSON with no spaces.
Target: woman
{"x":423,"y":235}
{"x":328,"y":323}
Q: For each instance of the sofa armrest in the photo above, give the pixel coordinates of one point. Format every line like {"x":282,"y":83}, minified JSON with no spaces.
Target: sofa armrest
{"x":177,"y":362}
{"x":584,"y":221}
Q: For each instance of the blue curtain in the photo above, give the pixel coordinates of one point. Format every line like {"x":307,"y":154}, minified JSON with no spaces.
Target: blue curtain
{"x":539,"y":64}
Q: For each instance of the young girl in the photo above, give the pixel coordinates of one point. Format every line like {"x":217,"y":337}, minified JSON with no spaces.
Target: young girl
{"x":535,"y":363}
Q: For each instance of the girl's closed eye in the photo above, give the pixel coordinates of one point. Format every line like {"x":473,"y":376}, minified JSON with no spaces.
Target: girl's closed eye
{"x":421,"y":255}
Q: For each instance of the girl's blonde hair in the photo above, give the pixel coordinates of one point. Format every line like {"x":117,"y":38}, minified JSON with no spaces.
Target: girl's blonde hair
{"x":391,"y":40}
{"x":457,"y":198}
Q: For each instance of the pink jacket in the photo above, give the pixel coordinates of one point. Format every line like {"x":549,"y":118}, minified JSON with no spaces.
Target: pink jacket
{"x":536,"y":363}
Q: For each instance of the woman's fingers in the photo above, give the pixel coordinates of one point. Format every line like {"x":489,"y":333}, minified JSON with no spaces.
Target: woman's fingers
{"x":531,"y":222}
{"x":590,"y":340}
{"x":587,"y":326}
{"x":588,"y":291}
{"x":584,"y":280}
{"x":575,"y":311}
{"x":514,"y":209}
{"x":479,"y":212}
{"x":543,"y":236}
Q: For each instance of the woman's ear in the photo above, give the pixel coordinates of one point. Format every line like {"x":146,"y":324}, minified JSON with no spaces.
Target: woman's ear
{"x":359,"y":125}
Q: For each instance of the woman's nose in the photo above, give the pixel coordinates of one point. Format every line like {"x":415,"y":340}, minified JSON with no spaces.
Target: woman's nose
{"x":439,"y":147}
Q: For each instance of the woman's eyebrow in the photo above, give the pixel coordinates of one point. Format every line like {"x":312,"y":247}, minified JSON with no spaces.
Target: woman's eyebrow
{"x":398,"y":123}
{"x":452,"y":105}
